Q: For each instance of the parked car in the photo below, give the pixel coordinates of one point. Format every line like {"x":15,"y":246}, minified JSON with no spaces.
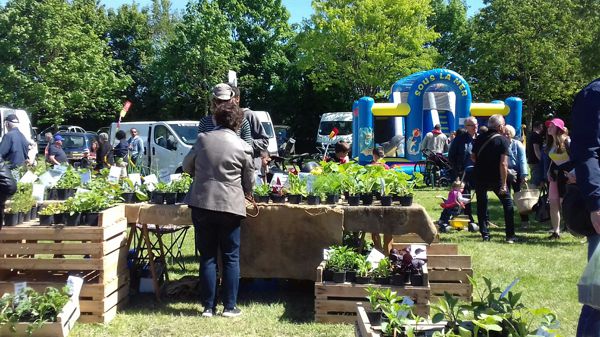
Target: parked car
{"x":75,"y":143}
{"x":41,"y":138}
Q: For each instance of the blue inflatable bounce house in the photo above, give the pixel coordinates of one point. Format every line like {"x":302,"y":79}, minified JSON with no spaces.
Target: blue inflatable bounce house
{"x":417,"y":103}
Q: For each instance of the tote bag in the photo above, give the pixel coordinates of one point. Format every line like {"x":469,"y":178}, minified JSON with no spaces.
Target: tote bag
{"x":589,"y":284}
{"x":542,"y":207}
{"x":526,"y":199}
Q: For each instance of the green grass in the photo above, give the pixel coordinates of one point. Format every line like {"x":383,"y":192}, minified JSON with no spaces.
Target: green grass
{"x":548,"y":272}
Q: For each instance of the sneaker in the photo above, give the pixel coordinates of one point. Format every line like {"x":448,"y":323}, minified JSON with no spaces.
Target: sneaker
{"x":444,"y":228}
{"x":235,"y":312}
{"x":208,"y":312}
{"x":511,"y":240}
{"x":486,"y":238}
{"x":473,"y":227}
{"x":554,"y":236}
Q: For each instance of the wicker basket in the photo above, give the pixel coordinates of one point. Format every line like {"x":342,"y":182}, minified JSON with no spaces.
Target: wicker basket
{"x":526,"y":199}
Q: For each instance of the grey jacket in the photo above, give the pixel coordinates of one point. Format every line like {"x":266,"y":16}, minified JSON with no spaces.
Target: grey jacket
{"x":221,"y":164}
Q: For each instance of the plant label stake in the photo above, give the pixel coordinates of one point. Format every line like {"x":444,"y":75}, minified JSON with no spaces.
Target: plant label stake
{"x":332,"y":134}
{"x":510,"y":286}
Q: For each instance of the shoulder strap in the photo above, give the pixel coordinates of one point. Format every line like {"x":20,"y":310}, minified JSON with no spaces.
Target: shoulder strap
{"x":486,"y":143}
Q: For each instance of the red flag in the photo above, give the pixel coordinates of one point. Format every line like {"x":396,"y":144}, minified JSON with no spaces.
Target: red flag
{"x":333,"y":133}
{"x":126,"y":107}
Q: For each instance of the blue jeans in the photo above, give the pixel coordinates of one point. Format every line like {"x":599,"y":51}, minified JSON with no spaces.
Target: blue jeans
{"x":589,"y":319}
{"x":482,"y":211}
{"x":214,"y":230}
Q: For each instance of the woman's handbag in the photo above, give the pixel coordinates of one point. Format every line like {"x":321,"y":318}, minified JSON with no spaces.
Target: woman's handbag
{"x":542,"y":207}
{"x":8,"y":184}
{"x":575,"y":213}
{"x":589,"y":284}
{"x":526,"y":199}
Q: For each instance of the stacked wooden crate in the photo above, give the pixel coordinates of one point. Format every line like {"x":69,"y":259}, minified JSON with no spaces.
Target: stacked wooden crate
{"x":336,"y":302}
{"x":45,"y":255}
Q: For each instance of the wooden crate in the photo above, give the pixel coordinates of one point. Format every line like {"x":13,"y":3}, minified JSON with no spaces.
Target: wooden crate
{"x":448,"y":271}
{"x":363,"y":328}
{"x":64,"y":323}
{"x":98,"y":254}
{"x":336,"y":302}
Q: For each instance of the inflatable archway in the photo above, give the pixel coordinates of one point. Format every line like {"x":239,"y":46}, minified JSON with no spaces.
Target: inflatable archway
{"x":417,"y":98}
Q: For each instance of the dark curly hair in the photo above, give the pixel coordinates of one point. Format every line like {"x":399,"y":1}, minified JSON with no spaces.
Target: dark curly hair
{"x":229,"y":115}
{"x":121,"y":135}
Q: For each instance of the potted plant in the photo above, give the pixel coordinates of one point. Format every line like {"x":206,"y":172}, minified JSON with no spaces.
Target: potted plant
{"x":91,"y":204}
{"x":332,"y":187}
{"x":317,"y":191}
{"x":383,"y":271}
{"x":366,"y":185}
{"x":296,"y":190}
{"x":158,"y":195}
{"x":11,"y":216}
{"x":74,"y":207}
{"x":261,"y":193}
{"x":350,"y":186}
{"x":170,"y":194}
{"x":47,"y":214}
{"x":128,"y":191}
{"x":278,"y":192}
{"x":363,"y":270}
{"x":405,"y":189}
{"x":181,"y":186}
{"x":68,"y":183}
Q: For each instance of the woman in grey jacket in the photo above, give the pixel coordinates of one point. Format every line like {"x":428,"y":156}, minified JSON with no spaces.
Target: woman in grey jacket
{"x":221,"y":164}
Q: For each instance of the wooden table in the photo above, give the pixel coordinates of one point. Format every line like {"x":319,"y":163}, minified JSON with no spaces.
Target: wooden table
{"x":287,"y":241}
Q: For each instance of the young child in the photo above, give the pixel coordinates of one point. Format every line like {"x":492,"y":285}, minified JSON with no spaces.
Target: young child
{"x":342,"y":149}
{"x":452,"y":205}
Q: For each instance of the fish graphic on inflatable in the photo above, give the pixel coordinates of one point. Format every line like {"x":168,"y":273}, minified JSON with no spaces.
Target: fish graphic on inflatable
{"x":414,"y":141}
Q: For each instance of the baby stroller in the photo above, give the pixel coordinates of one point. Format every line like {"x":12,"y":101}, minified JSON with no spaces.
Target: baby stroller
{"x":436,"y":169}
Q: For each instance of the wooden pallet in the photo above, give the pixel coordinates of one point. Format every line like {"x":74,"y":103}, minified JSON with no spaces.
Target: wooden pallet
{"x":448,"y":271}
{"x":336,"y":302}
{"x":98,"y":254}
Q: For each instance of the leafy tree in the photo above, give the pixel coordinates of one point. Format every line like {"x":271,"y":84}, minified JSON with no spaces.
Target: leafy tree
{"x":528,"y":49}
{"x":55,"y":65}
{"x":261,"y":30}
{"x":366,"y":45}
{"x":197,"y":58}
{"x":450,"y":22}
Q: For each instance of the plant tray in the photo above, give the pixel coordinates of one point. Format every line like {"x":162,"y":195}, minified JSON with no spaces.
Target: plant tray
{"x":363,"y":327}
{"x":64,"y":323}
{"x":336,"y":302}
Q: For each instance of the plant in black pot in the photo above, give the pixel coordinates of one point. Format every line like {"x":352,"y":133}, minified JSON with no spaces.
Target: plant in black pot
{"x":68,"y":183}
{"x":278,"y":192}
{"x":170,"y":195}
{"x":366,"y":184}
{"x":91,"y":204}
{"x":332,"y":187}
{"x":128,"y":191}
{"x":316,"y":190}
{"x":350,"y":186}
{"x":181,"y":186}
{"x":261,"y":193}
{"x":363,"y":270}
{"x":158,"y":195}
{"x":383,"y":271}
{"x":74,"y":207}
{"x":297,"y":189}
{"x":47,"y":213}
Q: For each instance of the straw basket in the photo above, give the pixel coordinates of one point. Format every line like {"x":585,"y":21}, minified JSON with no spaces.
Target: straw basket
{"x":526,"y":199}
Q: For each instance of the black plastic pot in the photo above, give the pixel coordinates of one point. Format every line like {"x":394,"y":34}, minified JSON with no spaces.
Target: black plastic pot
{"x":328,"y":275}
{"x":70,"y":192}
{"x":262,"y":198}
{"x":406,"y":200}
{"x":314,"y":200}
{"x":33,"y":213}
{"x":157,"y":198}
{"x":374,"y":317}
{"x":73,"y":220}
{"x":367,"y":199}
{"x":26,"y":216}
{"x":11,"y":219}
{"x":46,"y":220}
{"x":386,"y":200}
{"x":416,"y":280}
{"x":332,"y":199}
{"x":59,"y":218}
{"x":377,"y":195}
{"x":170,"y":198}
{"x":20,"y":217}
{"x":51,"y":194}
{"x":61,"y":194}
{"x":91,"y":219}
{"x":382,"y":280}
{"x":339,"y":276}
{"x":180,"y":197}
{"x":128,"y":197}
{"x":278,"y":199}
{"x":398,"y":279}
{"x":350,"y":275}
{"x":353,"y":200}
{"x":294,"y":198}
{"x":363,"y":279}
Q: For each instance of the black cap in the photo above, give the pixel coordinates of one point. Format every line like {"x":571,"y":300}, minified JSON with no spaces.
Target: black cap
{"x":12,"y":118}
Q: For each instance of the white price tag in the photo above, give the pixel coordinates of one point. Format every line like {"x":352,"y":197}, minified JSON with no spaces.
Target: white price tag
{"x":114,"y":174}
{"x":175,"y":177}
{"x":279,"y":179}
{"x":135,"y":178}
{"x":80,"y":190}
{"x":86,"y":176}
{"x":374,"y":257}
{"x":20,"y":288}
{"x":38,"y":192}
{"x":28,"y":177}
{"x":74,"y":284}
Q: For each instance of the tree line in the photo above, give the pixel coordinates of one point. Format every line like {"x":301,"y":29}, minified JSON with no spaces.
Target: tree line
{"x":77,"y":61}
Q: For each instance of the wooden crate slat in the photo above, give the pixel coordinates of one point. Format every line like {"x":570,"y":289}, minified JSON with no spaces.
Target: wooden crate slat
{"x":450,"y":276}
{"x":328,"y":306}
{"x":63,"y":233}
{"x":449,"y":261}
{"x":434,"y":248}
{"x":459,"y":289}
{"x":335,"y":319}
{"x":100,"y":291}
{"x":105,"y":304}
{"x":108,"y":216}
{"x":412,"y":238}
{"x":105,"y":317}
{"x":114,"y":243}
{"x":64,"y":248}
{"x":330,"y":289}
{"x":119,"y":226}
{"x":51,"y":264}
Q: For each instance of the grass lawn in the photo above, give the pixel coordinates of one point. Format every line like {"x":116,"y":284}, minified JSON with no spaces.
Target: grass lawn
{"x":548,"y":272}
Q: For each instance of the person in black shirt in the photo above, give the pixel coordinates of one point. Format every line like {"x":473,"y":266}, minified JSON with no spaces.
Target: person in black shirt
{"x":122,"y":148}
{"x":533,"y":151}
{"x":104,"y":157}
{"x":490,"y":155}
{"x":56,"y":155}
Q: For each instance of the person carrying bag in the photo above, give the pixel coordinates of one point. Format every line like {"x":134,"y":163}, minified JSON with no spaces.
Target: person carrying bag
{"x":526,"y":199}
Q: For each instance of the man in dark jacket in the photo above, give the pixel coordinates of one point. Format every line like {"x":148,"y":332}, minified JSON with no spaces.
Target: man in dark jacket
{"x":490,"y":155}
{"x":260,"y":138}
{"x":14,"y":147}
{"x":585,"y":153}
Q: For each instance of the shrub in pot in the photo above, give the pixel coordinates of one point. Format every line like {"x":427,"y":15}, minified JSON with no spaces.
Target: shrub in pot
{"x":317,"y":190}
{"x":47,"y":215}
{"x":181,"y":186}
{"x":11,"y":217}
{"x":296,"y":190}
{"x":382,"y":272}
{"x":363,"y":270}
{"x":68,"y":183}
{"x":261,"y":193}
{"x":278,"y":193}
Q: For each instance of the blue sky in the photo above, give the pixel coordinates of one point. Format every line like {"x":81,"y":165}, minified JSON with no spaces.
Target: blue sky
{"x":299,"y":9}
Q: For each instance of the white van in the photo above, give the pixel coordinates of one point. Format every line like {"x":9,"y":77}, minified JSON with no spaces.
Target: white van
{"x":265,"y":120}
{"x":166,"y":143}
{"x":340,"y":120}
{"x":24,"y":126}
